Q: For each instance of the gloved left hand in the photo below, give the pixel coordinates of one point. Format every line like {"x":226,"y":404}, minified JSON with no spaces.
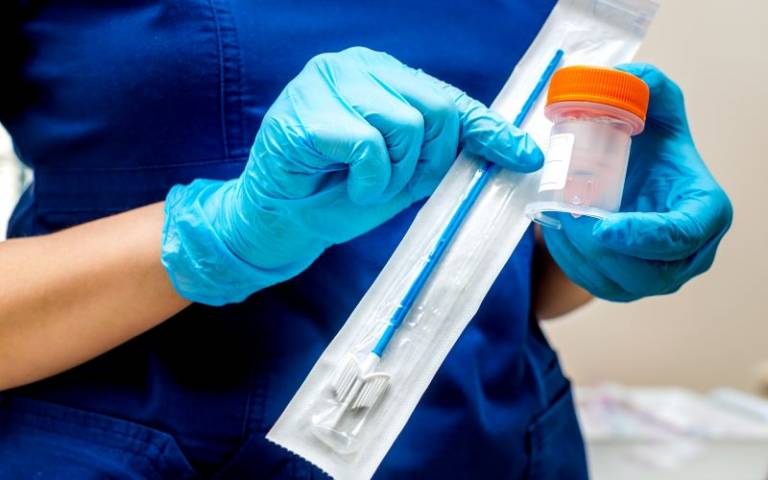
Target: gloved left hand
{"x":672,"y":218}
{"x":353,"y":140}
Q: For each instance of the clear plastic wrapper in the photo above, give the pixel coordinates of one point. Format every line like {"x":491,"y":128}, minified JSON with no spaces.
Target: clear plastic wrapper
{"x":365,"y":385}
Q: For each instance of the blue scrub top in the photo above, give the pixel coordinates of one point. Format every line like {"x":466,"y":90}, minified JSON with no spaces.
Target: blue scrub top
{"x":112,"y":103}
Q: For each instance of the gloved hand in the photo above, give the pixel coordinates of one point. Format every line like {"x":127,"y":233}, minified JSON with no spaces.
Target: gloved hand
{"x":672,"y":218}
{"x":354,"y":139}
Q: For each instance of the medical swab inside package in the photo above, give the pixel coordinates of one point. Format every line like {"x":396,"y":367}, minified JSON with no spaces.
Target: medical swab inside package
{"x":365,"y":385}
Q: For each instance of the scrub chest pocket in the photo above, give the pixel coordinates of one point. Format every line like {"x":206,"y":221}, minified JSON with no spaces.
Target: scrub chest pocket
{"x":56,"y":442}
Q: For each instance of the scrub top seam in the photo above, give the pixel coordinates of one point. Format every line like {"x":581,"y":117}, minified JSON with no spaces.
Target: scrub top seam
{"x":247,"y":410}
{"x":230,"y":78}
{"x":258,"y":403}
{"x":237,"y":60}
{"x":220,"y":48}
{"x":233,"y":159}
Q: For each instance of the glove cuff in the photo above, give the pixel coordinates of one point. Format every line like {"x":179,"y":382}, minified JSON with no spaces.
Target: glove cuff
{"x":200,"y":265}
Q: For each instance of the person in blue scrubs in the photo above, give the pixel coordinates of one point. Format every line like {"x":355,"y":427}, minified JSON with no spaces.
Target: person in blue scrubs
{"x":216,"y":185}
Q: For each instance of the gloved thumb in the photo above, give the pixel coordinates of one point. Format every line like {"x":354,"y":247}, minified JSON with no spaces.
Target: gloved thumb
{"x":485,"y":133}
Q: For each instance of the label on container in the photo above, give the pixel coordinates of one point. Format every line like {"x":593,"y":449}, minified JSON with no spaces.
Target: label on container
{"x":558,"y":159}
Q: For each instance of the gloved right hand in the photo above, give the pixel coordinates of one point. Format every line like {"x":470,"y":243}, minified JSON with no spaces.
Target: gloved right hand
{"x":354,"y":139}
{"x":674,"y":213}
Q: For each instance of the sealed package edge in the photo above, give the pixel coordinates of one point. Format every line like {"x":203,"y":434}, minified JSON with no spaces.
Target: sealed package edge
{"x":364,"y":387}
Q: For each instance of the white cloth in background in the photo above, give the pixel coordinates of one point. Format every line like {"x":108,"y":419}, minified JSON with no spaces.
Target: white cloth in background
{"x":643,"y":433}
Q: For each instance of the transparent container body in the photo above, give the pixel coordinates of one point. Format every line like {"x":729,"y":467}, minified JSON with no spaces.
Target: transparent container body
{"x":586,"y":161}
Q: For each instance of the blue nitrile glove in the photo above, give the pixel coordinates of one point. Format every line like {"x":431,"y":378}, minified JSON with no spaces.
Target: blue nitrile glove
{"x":354,"y":139}
{"x":672,"y":218}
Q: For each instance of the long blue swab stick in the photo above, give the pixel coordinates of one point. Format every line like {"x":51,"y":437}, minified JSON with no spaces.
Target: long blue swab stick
{"x":482,"y":176}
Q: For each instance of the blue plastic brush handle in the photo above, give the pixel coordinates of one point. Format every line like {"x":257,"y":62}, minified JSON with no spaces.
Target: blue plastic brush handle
{"x":482,"y":176}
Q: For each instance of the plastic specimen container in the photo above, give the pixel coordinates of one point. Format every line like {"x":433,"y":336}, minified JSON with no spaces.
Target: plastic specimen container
{"x":595,"y":111}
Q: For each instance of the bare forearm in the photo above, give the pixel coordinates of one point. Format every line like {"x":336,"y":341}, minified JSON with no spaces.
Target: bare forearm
{"x":554,"y":294}
{"x":68,"y":297}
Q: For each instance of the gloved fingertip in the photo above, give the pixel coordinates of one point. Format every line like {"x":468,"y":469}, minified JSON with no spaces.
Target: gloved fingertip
{"x":530,"y":155}
{"x":607,"y":231}
{"x":512,"y":149}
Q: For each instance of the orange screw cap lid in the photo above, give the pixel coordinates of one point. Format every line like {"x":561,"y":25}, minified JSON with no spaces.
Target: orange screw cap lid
{"x":606,"y":86}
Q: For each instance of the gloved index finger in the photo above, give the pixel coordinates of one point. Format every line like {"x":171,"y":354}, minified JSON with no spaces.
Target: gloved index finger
{"x":667,"y":236}
{"x":487,"y":134}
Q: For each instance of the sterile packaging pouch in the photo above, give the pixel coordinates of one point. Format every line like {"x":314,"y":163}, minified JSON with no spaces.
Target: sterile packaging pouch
{"x":364,"y":387}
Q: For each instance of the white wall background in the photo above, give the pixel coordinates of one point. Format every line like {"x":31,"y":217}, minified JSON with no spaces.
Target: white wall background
{"x":715,"y":330}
